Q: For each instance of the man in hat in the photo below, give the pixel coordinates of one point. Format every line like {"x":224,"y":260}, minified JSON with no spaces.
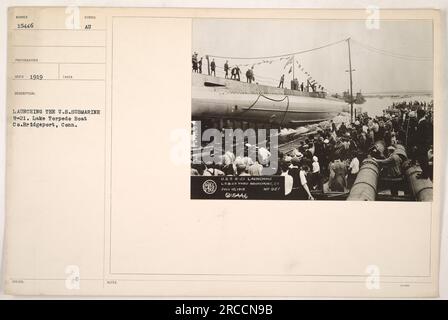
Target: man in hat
{"x":235,"y":73}
{"x":287,"y":159}
{"x":353,"y":170}
{"x":284,"y":166}
{"x":213,"y":169}
{"x":333,"y":126}
{"x":282,"y":80}
{"x":318,"y":146}
{"x":338,"y":171}
{"x":393,"y":168}
{"x":297,"y":153}
{"x":294,"y":170}
{"x":339,"y":148}
{"x":411,"y":132}
{"x":303,"y":189}
{"x":255,"y":169}
{"x":194,"y":61}
{"x":321,"y":152}
{"x":213,"y":67}
{"x":316,"y":177}
{"x":241,"y":167}
{"x":363,"y":144}
{"x":200,"y":65}
{"x":226,"y":69}
{"x":423,"y":140}
{"x":342,"y":129}
{"x":328,"y":151}
{"x":308,"y":151}
{"x":250,"y":75}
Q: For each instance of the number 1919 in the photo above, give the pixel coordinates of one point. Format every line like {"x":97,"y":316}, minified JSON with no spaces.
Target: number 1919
{"x":36,"y":77}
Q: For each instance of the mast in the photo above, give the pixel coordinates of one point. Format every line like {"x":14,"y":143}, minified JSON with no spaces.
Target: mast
{"x":351,"y":80}
{"x":293,"y":66}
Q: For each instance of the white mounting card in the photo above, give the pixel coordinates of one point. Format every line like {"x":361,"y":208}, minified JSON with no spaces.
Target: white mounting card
{"x":120,"y":180}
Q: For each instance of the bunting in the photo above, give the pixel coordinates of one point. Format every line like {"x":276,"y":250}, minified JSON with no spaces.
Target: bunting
{"x":289,"y":61}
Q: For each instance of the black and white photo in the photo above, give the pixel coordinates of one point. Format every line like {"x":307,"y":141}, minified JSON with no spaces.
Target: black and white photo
{"x":312,"y":110}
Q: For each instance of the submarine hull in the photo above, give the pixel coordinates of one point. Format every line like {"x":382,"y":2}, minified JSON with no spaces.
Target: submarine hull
{"x":254,"y":103}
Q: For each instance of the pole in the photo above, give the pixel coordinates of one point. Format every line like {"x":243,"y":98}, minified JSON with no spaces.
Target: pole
{"x":351,"y":81}
{"x":293,"y":67}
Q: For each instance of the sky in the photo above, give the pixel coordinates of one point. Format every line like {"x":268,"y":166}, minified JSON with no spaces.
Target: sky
{"x":388,"y":64}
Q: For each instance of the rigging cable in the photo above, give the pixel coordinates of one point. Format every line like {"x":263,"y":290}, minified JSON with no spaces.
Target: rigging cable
{"x":392,"y":54}
{"x":280,"y":55}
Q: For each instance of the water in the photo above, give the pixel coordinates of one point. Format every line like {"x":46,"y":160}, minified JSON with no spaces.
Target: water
{"x":374,"y":106}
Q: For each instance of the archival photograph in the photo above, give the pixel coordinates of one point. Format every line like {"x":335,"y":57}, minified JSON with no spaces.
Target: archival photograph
{"x":312,"y":110}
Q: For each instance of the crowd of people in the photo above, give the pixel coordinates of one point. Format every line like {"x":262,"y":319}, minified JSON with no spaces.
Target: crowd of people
{"x":329,"y":159}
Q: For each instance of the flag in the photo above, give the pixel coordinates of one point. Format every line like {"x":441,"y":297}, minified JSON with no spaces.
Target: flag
{"x":289,"y":61}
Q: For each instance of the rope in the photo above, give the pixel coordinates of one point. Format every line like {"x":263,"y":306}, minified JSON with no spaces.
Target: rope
{"x":286,"y":111}
{"x":280,"y":100}
{"x":253,"y":104}
{"x":271,"y":99}
{"x":275,"y":100}
{"x":391,"y":54}
{"x":280,"y":55}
